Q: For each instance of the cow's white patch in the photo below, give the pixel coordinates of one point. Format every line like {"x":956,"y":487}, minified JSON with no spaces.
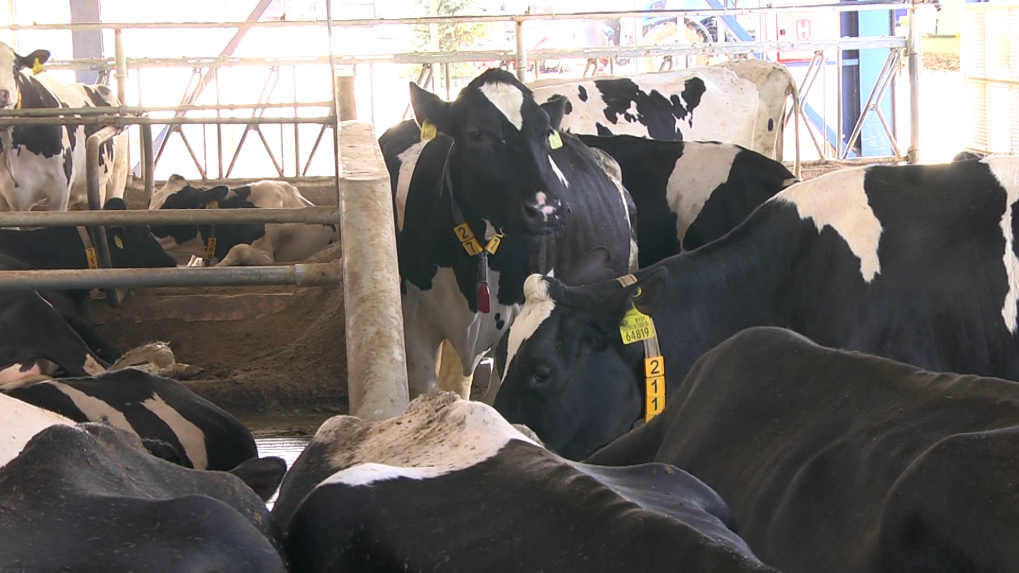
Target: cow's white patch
{"x":92,"y":367}
{"x":1006,"y":171}
{"x":508,"y":99}
{"x":839,"y":201}
{"x":22,"y":421}
{"x":538,"y":306}
{"x":634,"y":256}
{"x":408,"y":161}
{"x":93,"y":408}
{"x":701,"y":169}
{"x":189,"y":435}
{"x":438,"y":434}
{"x":558,"y":172}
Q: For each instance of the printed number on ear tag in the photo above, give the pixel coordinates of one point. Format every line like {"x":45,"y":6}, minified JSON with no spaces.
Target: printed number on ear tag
{"x":93,"y":259}
{"x":118,"y":242}
{"x":636,"y":326}
{"x":428,"y":131}
{"x":37,"y":67}
{"x":554,"y":141}
{"x":210,"y":249}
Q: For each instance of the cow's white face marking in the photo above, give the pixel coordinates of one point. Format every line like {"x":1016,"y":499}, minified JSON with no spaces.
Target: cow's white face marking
{"x":701,"y":169}
{"x":408,"y":161}
{"x":438,"y":434}
{"x":7,"y":72}
{"x":189,"y":435}
{"x":22,"y":421}
{"x":839,"y":201}
{"x":1006,"y":171}
{"x":544,"y":208}
{"x":538,"y":306}
{"x":508,"y":99}
{"x":558,"y":172}
{"x":174,"y":184}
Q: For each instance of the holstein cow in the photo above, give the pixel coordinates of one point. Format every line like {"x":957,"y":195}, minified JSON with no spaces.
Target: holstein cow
{"x":689,"y":193}
{"x":451,"y":485}
{"x":835,"y":461}
{"x":88,"y":497}
{"x":913,"y":263}
{"x":741,"y":102}
{"x":172,"y":422}
{"x":239,"y":244}
{"x":47,"y":162}
{"x":493,"y":193}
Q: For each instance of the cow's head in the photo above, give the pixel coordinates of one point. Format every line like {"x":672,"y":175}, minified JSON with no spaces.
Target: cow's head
{"x":502,"y":167}
{"x":11,"y":64}
{"x":134,"y":245}
{"x":566,"y":373}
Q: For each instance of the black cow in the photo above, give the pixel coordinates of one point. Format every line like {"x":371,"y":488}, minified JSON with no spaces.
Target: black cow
{"x":689,"y":193}
{"x":836,"y":461}
{"x":915,"y":263}
{"x":451,"y":485}
{"x":89,"y":498}
{"x":493,"y":160}
{"x":172,"y":422}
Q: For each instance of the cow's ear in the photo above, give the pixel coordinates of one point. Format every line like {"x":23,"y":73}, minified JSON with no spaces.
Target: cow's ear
{"x":36,"y":58}
{"x":555,"y":107}
{"x":216,"y":194}
{"x":429,"y":107}
{"x":263,"y":475}
{"x":115,"y":204}
{"x":592,"y":267}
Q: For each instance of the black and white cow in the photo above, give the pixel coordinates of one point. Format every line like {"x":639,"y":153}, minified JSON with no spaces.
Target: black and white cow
{"x":172,"y":422}
{"x":741,"y":102}
{"x":451,"y":485}
{"x":241,"y":244}
{"x":689,"y":193}
{"x":914,"y":263}
{"x":836,"y":461}
{"x":497,"y":159}
{"x":88,"y":497}
{"x":47,"y":162}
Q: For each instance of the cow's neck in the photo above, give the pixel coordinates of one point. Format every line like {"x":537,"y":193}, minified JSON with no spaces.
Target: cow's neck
{"x":725,"y":287}
{"x":50,"y":248}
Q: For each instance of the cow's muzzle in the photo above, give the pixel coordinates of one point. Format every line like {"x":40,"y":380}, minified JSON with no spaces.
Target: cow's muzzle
{"x":543,"y":215}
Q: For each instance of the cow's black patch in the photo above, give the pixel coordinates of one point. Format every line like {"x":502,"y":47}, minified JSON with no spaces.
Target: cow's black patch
{"x":44,"y":140}
{"x":602,"y":130}
{"x":653,"y":110}
{"x":771,"y":124}
{"x":692,"y":94}
{"x":582,"y":93}
{"x":68,"y":163}
{"x":243,"y":193}
{"x":499,"y":322}
{"x":98,"y":100}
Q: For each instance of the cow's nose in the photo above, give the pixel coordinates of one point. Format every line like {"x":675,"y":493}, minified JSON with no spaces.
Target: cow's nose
{"x":5,"y":97}
{"x":541,"y":211}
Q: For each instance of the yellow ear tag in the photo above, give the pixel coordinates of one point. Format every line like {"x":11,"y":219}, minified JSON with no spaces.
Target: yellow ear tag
{"x":37,"y":67}
{"x":118,"y":242}
{"x":212,"y":205}
{"x":554,"y":141}
{"x":93,"y":260}
{"x":428,"y":131}
{"x":210,"y":249}
{"x":636,"y":326}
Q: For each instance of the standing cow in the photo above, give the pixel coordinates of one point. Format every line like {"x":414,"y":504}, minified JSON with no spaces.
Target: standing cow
{"x":916,"y":263}
{"x":494,"y":160}
{"x":47,"y":162}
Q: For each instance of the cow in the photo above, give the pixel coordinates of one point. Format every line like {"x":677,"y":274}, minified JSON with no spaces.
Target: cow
{"x":836,"y":461}
{"x":740,"y":101}
{"x":239,"y":244}
{"x":88,"y":497}
{"x":690,"y":193}
{"x":912,"y":263}
{"x":21,"y":422}
{"x":46,"y":163}
{"x":493,"y":160}
{"x":172,"y":422}
{"x":450,"y":484}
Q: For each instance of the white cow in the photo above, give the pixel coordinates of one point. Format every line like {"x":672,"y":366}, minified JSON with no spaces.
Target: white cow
{"x":21,"y":422}
{"x":46,"y":163}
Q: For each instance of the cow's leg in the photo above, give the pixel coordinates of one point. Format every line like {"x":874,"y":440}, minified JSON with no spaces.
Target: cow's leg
{"x":57,"y":197}
{"x":422,"y":341}
{"x":451,"y":376}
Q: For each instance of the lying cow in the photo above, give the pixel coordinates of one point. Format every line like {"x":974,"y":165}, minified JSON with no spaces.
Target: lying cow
{"x":689,"y":193}
{"x":46,"y":163}
{"x":492,"y":159}
{"x":240,"y":244}
{"x":741,"y":102}
{"x":451,"y":485}
{"x":836,"y":461}
{"x":908,"y":262}
{"x":88,"y":497}
{"x":172,"y":422}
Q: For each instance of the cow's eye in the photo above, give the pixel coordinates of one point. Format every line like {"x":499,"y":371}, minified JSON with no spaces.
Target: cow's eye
{"x":475,"y":135}
{"x":542,"y":374}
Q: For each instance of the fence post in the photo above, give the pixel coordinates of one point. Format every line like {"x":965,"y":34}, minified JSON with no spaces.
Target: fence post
{"x":914,"y":59}
{"x":347,"y":100}
{"x":521,"y":51}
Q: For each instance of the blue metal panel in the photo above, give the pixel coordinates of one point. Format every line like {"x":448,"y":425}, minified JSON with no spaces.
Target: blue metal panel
{"x":88,"y":43}
{"x":873,"y":140}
